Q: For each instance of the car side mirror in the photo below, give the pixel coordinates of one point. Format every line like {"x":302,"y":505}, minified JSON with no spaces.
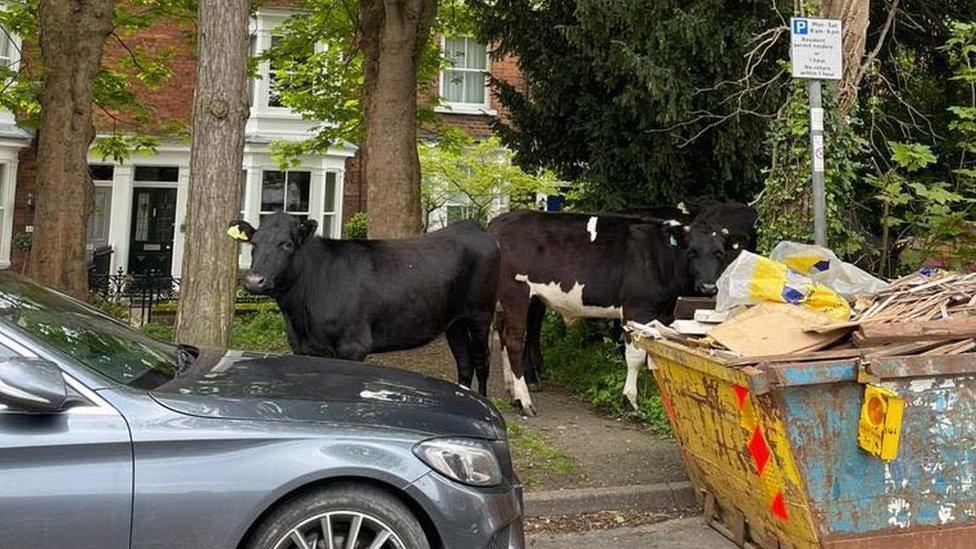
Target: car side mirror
{"x":32,"y":385}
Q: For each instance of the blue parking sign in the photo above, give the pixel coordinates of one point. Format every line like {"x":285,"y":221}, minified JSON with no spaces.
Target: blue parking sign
{"x":800,"y":26}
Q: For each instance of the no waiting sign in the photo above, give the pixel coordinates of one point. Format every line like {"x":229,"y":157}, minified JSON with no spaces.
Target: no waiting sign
{"x":815,"y":48}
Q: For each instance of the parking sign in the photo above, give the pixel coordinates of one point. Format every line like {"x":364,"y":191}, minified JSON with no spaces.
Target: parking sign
{"x":815,"y":48}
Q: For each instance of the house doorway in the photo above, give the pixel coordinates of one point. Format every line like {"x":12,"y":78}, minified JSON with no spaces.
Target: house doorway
{"x":153,"y":227}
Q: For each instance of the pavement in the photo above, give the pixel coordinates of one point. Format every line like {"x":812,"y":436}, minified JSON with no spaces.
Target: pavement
{"x":622,"y":467}
{"x":684,"y":533}
{"x":610,"y":452}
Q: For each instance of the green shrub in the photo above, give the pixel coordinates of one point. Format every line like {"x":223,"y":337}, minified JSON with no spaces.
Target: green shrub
{"x":169,"y":307}
{"x":114,"y":309}
{"x":357,"y":226}
{"x":585,"y":360}
{"x":262,"y":331}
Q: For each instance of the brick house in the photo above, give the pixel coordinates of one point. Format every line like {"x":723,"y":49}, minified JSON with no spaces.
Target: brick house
{"x":140,"y":204}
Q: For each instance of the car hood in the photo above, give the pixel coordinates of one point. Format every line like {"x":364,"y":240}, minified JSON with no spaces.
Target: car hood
{"x":237,"y":385}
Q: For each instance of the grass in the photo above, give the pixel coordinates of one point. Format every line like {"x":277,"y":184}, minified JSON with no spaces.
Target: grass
{"x":583,"y":359}
{"x":535,"y":459}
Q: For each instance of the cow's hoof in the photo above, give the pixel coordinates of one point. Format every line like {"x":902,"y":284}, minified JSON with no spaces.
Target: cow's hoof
{"x":632,"y":402}
{"x":526,"y":411}
{"x":535,"y":387}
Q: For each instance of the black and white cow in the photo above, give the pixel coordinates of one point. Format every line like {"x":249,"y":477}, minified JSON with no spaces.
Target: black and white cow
{"x":596,"y":266}
{"x":349,"y":298}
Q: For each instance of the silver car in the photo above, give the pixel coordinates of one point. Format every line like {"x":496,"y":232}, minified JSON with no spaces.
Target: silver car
{"x":111,"y":439}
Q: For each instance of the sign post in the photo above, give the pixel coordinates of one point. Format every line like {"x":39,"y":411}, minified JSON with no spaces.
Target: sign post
{"x":817,"y":54}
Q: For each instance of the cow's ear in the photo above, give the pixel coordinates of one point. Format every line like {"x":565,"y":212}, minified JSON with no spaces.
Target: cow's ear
{"x":240,"y":230}
{"x":678,"y":235}
{"x":307,"y":229}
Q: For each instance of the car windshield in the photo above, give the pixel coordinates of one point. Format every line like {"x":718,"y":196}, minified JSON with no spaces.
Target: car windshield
{"x":118,"y":352}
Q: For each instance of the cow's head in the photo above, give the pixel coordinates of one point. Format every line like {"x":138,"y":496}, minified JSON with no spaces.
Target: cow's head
{"x":708,"y":250}
{"x":274,"y":243}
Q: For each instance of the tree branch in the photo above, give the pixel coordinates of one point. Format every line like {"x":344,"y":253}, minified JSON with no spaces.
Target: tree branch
{"x":869,"y":59}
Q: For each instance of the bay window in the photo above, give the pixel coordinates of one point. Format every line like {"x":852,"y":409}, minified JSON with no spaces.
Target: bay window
{"x":285,"y":191}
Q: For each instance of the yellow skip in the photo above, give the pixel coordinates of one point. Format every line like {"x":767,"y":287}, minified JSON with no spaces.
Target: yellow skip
{"x":879,"y":428}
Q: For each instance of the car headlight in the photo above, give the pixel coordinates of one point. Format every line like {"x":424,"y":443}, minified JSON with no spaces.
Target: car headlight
{"x":468,"y":461}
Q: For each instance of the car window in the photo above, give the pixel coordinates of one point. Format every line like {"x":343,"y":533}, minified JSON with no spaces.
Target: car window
{"x":111,"y":348}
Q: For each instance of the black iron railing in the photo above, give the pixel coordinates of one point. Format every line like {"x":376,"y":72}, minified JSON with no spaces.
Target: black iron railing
{"x":146,"y":291}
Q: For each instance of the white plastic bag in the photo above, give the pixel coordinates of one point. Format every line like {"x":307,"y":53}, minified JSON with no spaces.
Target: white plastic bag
{"x":823,"y":266}
{"x":752,"y":279}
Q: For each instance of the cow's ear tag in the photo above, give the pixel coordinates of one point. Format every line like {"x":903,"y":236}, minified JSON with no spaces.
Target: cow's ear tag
{"x":672,"y":241}
{"x":236,"y":233}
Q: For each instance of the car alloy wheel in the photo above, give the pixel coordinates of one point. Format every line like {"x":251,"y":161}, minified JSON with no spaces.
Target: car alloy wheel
{"x":341,"y":530}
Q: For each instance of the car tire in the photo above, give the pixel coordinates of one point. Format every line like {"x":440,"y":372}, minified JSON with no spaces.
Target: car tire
{"x":380,"y":511}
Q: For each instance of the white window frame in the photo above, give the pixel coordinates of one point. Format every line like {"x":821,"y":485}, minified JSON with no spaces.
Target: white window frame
{"x":460,"y":107}
{"x":110,"y":185}
{"x":331,"y":214}
{"x":12,"y":56}
{"x":263,"y":25}
{"x":12,"y":62}
{"x":284,"y":205}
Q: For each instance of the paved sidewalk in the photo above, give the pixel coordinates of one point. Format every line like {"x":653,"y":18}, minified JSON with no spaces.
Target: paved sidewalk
{"x":685,"y":533}
{"x":611,"y":453}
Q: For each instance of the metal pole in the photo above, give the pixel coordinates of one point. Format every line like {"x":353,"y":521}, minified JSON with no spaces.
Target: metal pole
{"x":817,"y":153}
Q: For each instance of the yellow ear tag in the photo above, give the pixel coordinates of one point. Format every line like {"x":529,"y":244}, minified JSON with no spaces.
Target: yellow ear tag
{"x":236,"y":233}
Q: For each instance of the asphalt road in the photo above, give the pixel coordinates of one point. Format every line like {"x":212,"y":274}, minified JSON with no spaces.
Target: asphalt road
{"x":685,"y":533}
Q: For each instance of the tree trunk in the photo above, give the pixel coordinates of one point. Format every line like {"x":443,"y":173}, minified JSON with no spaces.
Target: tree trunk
{"x":394,"y":33}
{"x":220,"y":111}
{"x":72,"y":35}
{"x":854,"y":15}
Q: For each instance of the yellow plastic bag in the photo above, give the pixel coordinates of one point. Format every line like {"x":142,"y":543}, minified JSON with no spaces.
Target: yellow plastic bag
{"x":823,"y":266}
{"x":751,"y":279}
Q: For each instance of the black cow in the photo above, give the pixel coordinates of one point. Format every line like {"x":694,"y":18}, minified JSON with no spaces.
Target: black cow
{"x":349,"y":298}
{"x":596,"y":266}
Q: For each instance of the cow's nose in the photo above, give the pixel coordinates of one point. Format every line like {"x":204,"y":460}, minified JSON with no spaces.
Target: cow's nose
{"x":708,"y":288}
{"x":254,"y":282}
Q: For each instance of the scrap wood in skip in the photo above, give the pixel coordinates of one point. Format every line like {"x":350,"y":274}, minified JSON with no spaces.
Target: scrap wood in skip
{"x":927,"y":313}
{"x":773,"y":329}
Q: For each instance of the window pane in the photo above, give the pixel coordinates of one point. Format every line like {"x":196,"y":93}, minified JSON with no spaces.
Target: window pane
{"x":169,"y":174}
{"x":243,"y":191}
{"x":274,"y":96}
{"x":272,"y":191}
{"x":298,"y":187}
{"x":98,"y":219}
{"x":252,"y":49}
{"x":327,"y":226}
{"x":476,"y":54}
{"x":454,"y":86}
{"x":454,"y":51}
{"x":142,"y":217}
{"x":101,"y":172}
{"x":330,"y":192}
{"x":474,"y":87}
{"x":6,"y":48}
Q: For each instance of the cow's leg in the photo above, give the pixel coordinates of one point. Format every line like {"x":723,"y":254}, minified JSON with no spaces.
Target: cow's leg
{"x":532,"y":361}
{"x":355,"y":344}
{"x":513,"y":344}
{"x":636,"y":358}
{"x":352,"y":350}
{"x":458,"y":341}
{"x":479,"y":331}
{"x":506,"y":369}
